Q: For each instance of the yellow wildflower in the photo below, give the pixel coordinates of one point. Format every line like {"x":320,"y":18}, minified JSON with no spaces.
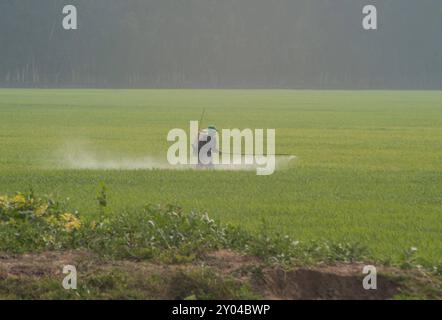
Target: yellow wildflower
{"x":73,"y":225}
{"x":3,"y":200}
{"x":71,"y":222}
{"x":40,"y":211}
{"x":66,"y":217}
{"x":19,"y":200}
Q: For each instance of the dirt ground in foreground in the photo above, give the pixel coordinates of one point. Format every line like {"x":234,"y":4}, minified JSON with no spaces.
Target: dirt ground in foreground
{"x":339,"y":281}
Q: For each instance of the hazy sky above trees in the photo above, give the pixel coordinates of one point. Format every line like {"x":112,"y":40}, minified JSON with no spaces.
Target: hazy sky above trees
{"x":221,"y":44}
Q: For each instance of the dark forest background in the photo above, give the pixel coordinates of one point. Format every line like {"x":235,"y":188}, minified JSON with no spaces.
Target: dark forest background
{"x":221,"y":44}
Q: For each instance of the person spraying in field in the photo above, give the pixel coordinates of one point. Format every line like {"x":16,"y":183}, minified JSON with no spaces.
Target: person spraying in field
{"x":205,"y":145}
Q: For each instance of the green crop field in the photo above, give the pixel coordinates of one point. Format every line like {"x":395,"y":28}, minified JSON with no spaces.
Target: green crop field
{"x":369,"y":166}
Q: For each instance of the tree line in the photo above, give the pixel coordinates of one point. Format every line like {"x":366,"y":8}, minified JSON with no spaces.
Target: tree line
{"x":221,"y":44}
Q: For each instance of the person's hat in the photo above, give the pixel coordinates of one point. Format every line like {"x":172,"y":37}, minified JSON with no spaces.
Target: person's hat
{"x":212,"y":127}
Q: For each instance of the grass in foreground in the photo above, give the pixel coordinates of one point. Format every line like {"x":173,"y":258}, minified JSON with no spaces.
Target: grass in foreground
{"x":165,"y":233}
{"x":161,"y":252}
